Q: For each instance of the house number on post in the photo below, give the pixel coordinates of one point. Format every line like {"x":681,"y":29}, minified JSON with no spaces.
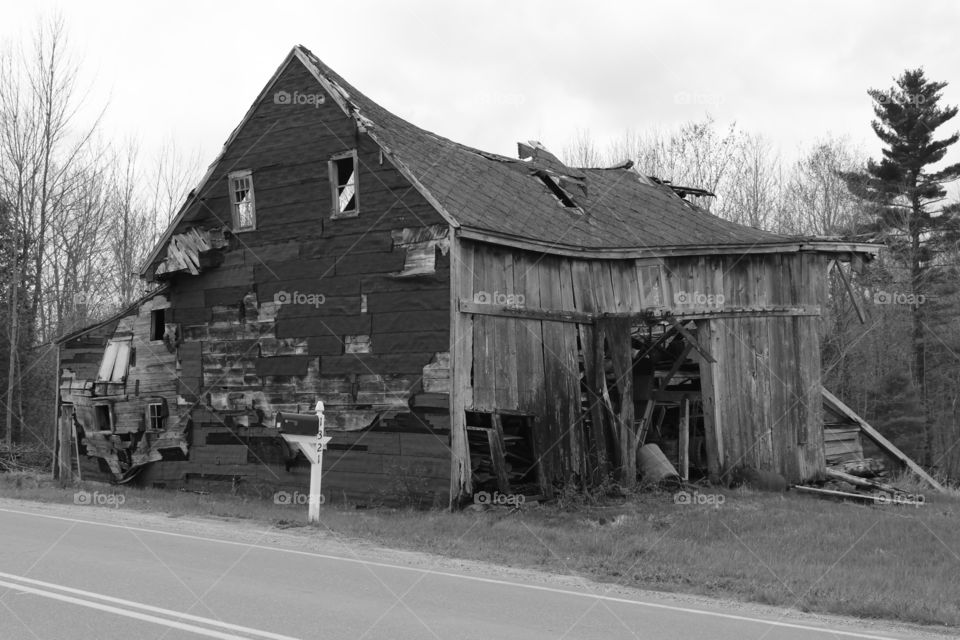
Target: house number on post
{"x":316,"y":468}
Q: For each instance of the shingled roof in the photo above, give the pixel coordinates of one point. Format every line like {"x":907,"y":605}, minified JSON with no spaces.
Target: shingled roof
{"x":617,"y":212}
{"x":616,"y":208}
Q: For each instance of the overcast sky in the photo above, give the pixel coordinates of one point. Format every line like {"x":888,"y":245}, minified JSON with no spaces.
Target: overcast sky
{"x":489,"y":74}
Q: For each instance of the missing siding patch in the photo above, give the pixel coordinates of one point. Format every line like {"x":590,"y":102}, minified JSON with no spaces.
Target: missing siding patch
{"x":421,"y":245}
{"x":357,"y":344}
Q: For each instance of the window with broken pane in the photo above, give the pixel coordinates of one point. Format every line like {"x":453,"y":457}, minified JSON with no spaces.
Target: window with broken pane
{"x":242,"y":201}
{"x":343,"y":184}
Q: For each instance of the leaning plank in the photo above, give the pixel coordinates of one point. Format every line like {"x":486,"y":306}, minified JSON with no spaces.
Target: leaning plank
{"x":861,"y":482}
{"x":830,"y":493}
{"x":497,"y":455}
{"x":850,"y":291}
{"x":871,"y":498}
{"x":836,"y":405}
{"x":691,"y":339}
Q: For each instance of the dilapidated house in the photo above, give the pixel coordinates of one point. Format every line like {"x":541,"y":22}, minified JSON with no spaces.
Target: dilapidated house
{"x":471,"y":321}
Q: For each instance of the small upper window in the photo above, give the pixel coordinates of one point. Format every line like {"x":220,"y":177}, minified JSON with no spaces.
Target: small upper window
{"x":343,"y":184}
{"x":242,"y":202}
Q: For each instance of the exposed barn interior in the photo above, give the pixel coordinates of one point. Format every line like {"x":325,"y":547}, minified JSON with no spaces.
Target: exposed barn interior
{"x":471,"y":322}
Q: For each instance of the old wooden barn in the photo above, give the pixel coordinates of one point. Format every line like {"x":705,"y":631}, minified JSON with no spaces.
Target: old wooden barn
{"x":472,"y":322}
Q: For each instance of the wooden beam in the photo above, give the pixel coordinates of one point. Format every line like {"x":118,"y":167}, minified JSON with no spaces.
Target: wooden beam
{"x":479,"y":308}
{"x":497,"y":454}
{"x":850,"y":292}
{"x":676,"y":366}
{"x":836,"y":474}
{"x":691,"y":339}
{"x":613,"y":253}
{"x":836,"y":405}
{"x":64,"y":453}
{"x":581,"y":317}
{"x":461,"y":362}
{"x":684,"y":439}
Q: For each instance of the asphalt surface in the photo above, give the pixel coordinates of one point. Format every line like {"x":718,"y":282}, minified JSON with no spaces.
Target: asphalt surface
{"x":73,"y":573}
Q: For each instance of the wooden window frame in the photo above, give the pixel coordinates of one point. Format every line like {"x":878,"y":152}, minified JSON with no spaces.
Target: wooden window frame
{"x":249,"y":199}
{"x":335,"y":188}
{"x":160,"y":416}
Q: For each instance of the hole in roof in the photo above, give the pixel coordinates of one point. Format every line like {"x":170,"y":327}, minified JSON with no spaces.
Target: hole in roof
{"x":557,"y":190}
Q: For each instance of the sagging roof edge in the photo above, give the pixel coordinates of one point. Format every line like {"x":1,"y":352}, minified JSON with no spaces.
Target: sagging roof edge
{"x":787,"y":246}
{"x":130,"y":308}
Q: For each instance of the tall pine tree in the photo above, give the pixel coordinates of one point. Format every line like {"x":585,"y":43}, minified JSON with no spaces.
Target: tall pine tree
{"x":907,"y":198}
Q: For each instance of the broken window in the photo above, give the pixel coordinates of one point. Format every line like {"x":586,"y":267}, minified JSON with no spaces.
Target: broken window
{"x":157,"y":326}
{"x":343,"y":184}
{"x":156,"y":415}
{"x":557,"y":190}
{"x":116,"y":359}
{"x":103,"y":417}
{"x":242,"y":200}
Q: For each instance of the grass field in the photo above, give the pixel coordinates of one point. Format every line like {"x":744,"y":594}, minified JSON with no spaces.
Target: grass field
{"x":891,"y":562}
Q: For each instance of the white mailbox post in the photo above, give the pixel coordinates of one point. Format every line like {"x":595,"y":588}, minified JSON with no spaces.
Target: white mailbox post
{"x":316,"y":469}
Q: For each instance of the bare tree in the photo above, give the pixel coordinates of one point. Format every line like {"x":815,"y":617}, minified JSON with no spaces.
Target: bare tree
{"x":39,"y":151}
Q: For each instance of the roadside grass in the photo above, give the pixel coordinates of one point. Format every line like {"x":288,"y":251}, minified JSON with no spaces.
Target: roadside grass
{"x":884,"y":562}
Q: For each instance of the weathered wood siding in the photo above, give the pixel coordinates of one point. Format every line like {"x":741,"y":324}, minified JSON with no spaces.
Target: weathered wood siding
{"x":764,"y":388}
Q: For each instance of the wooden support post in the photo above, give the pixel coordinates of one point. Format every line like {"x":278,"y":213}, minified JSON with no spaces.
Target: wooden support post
{"x":64,"y":450}
{"x":76,"y":447}
{"x":644,"y":426}
{"x":684,"y":439}
{"x":461,"y":361}
{"x":497,"y":454}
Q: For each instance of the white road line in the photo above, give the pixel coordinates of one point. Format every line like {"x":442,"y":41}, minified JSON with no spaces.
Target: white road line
{"x":174,"y":624}
{"x":518,"y":585}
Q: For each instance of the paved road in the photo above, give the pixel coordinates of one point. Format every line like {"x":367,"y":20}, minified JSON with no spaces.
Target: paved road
{"x":82,"y":573}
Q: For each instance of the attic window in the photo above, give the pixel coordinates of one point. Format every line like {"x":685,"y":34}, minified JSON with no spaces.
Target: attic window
{"x":242,"y":200}
{"x":557,"y":190}
{"x":343,"y":184}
